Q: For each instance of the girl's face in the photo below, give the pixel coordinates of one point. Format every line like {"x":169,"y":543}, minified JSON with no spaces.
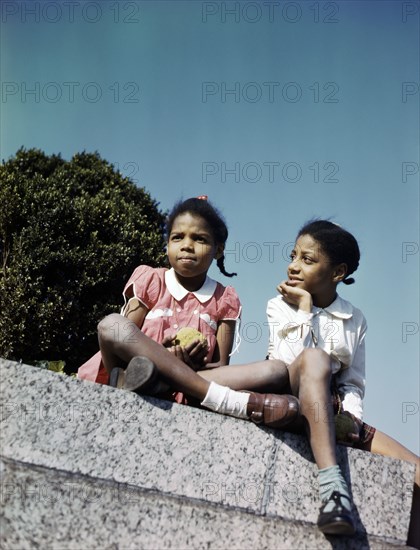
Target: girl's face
{"x":191,"y":247}
{"x":310,"y":269}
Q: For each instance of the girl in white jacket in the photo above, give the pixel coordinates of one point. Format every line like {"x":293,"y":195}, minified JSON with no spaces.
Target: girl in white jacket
{"x":320,"y":338}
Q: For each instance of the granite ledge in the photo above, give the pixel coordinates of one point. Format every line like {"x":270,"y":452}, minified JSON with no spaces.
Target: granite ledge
{"x":59,"y":423}
{"x":54,"y":509}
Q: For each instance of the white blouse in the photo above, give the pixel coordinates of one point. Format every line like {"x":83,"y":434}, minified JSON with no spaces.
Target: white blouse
{"x":338,"y":329}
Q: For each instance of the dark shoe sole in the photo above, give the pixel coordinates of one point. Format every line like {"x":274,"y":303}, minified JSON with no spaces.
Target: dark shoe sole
{"x":140,"y":376}
{"x":338,"y":521}
{"x":337,"y":527}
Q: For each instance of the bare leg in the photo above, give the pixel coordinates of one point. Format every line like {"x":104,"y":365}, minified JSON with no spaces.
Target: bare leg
{"x":384,"y":445}
{"x":120,"y":340}
{"x":266,"y":376}
{"x":310,"y":376}
{"x":310,"y":379}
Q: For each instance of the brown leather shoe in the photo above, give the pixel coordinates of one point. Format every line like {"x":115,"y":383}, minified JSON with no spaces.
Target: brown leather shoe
{"x":272,"y":410}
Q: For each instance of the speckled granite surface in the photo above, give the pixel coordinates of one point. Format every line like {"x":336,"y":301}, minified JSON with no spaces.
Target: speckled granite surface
{"x":186,"y":466}
{"x":56,"y":510}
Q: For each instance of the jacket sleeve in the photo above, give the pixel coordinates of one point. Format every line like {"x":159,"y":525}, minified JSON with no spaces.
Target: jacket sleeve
{"x":350,"y":381}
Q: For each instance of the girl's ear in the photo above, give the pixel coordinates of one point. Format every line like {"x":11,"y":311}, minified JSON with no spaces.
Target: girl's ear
{"x":220,"y":248}
{"x":340,"y":272}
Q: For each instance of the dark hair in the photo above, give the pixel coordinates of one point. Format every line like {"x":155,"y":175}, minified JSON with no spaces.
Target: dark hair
{"x":203,"y":209}
{"x":338,"y":244}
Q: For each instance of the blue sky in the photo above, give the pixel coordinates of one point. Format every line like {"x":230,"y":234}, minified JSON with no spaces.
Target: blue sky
{"x":278,"y":111}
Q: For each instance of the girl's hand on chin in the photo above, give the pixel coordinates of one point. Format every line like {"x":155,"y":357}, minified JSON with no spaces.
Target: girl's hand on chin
{"x":295,"y":295}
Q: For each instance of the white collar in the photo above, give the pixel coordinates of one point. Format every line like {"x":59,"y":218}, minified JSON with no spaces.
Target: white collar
{"x":203,"y":294}
{"x":339,"y":308}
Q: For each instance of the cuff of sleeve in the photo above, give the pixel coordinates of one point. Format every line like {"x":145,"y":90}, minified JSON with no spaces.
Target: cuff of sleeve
{"x":352,"y":403}
{"x":303,"y":317}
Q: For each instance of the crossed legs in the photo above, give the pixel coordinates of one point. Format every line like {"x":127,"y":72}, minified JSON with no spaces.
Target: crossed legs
{"x":308,"y":378}
{"x":120,"y":340}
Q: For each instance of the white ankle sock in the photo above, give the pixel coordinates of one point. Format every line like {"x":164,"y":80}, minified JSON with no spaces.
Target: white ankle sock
{"x":223,"y":400}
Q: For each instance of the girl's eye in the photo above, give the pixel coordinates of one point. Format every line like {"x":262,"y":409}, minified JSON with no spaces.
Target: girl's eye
{"x":200,"y":239}
{"x":308,"y":260}
{"x":175,"y":237}
{"x":292,"y":256}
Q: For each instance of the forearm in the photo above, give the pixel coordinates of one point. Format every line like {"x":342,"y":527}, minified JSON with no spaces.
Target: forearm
{"x":213,"y":365}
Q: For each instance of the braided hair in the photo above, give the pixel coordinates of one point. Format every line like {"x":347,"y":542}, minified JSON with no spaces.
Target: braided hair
{"x":202,"y":208}
{"x":338,"y":244}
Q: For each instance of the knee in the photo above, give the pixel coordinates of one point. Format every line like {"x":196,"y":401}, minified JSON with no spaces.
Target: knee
{"x":108,"y":325}
{"x":315,"y":363}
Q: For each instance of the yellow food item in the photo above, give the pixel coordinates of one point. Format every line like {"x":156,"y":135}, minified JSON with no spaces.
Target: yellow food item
{"x":343,"y":425}
{"x":186,"y":335}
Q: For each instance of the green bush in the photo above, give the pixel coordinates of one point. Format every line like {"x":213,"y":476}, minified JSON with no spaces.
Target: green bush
{"x":71,"y":233}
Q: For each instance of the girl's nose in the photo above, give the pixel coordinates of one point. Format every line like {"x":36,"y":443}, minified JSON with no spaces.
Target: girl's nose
{"x":187,"y":244}
{"x":294,"y":266}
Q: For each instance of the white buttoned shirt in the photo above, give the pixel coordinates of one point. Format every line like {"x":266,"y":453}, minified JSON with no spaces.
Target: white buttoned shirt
{"x":338,"y":329}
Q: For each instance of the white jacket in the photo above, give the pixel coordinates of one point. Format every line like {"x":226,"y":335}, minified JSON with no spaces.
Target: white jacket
{"x":338,"y":329}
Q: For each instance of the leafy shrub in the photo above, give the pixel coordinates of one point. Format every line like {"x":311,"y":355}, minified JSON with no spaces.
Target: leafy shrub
{"x":71,"y":233}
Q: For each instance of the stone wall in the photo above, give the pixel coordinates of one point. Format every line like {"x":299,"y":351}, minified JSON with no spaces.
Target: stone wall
{"x":88,"y":466}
